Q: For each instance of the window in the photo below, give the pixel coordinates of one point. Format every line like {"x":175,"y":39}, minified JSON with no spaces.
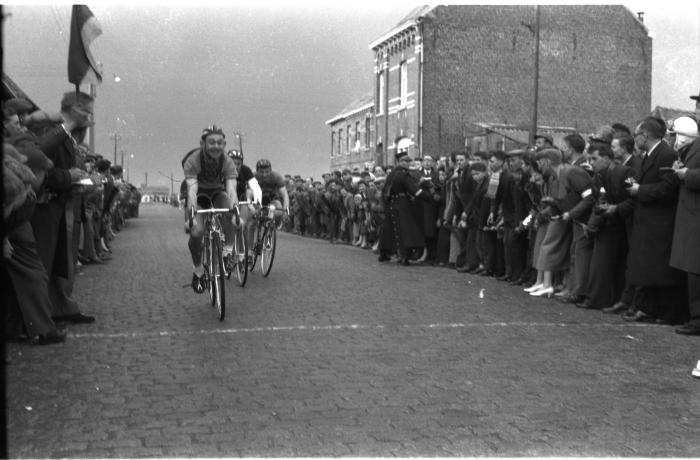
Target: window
{"x":340,"y":136}
{"x":403,"y":83}
{"x":347,"y":141}
{"x":368,"y":125}
{"x":332,"y":143}
{"x":357,"y":135}
{"x":382,"y":91}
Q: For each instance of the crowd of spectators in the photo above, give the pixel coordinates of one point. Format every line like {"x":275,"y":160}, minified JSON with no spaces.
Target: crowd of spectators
{"x":605,"y":222}
{"x":62,"y":208}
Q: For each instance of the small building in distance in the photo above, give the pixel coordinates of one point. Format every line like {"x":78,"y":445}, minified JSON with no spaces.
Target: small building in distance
{"x":352,"y":139}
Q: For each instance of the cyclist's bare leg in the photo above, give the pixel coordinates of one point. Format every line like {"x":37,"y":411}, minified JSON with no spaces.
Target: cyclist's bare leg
{"x":195,"y":243}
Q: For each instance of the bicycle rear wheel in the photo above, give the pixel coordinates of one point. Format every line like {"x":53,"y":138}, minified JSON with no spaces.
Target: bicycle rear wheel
{"x":256,"y":247}
{"x":240,"y":257}
{"x":217,"y":277}
{"x":269,"y":243}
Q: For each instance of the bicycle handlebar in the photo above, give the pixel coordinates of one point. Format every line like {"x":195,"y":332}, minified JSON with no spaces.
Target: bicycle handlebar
{"x":213,"y":210}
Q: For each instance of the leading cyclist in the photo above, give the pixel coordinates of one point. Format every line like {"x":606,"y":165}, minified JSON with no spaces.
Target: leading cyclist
{"x":248,"y":189}
{"x":273,"y":188}
{"x":211,"y":180}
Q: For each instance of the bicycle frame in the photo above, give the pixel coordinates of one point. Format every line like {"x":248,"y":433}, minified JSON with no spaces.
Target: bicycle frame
{"x":212,"y":256}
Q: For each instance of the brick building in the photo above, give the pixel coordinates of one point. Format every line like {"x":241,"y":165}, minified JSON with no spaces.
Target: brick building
{"x":352,"y":135}
{"x":442,"y":70}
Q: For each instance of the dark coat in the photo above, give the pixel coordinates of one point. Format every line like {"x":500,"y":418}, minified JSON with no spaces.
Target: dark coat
{"x":400,"y":231}
{"x":427,"y":210}
{"x":685,"y":252}
{"x":49,"y":219}
{"x":653,"y":220}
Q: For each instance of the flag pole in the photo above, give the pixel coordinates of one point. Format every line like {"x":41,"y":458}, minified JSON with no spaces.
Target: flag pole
{"x":91,"y":138}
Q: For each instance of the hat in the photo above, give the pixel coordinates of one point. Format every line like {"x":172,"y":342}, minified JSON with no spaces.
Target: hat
{"x":696,"y":98}
{"x":400,"y":155}
{"x":603,"y":134}
{"x":552,"y":155}
{"x":16,"y":106}
{"x":516,"y":152}
{"x":545,"y":136}
{"x":478,"y":167}
{"x":684,"y":126}
{"x":427,"y":157}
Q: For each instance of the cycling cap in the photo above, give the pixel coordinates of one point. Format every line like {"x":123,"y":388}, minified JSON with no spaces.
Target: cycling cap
{"x":263,"y":164}
{"x":235,"y":154}
{"x":213,"y":129}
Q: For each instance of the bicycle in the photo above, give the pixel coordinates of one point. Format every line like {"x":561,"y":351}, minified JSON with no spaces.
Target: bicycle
{"x":238,"y":261}
{"x":213,"y":258}
{"x":265,"y":240}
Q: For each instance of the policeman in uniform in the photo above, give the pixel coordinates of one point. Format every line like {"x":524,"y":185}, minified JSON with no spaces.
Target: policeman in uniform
{"x":401,"y":233}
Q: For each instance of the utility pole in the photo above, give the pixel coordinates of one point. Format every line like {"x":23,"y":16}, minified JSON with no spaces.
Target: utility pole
{"x":533,"y":128}
{"x":116,"y":137}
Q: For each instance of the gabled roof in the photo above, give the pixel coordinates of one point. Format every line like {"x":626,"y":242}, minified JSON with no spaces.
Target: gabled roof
{"x":667,"y":113}
{"x":357,"y":105}
{"x":10,"y":90}
{"x":408,"y":21}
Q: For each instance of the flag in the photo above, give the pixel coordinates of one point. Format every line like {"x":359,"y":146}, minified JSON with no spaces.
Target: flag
{"x":84,"y":28}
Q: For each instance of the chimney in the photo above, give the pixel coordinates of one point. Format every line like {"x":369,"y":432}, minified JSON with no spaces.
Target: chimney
{"x":640,"y":16}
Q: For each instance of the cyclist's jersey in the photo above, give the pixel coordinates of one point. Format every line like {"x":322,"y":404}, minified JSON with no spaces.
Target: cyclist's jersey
{"x":244,"y":175}
{"x":211,"y":174}
{"x":270,"y":185}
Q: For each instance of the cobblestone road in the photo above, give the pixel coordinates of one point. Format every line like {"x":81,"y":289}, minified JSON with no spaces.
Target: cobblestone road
{"x":321,"y":359}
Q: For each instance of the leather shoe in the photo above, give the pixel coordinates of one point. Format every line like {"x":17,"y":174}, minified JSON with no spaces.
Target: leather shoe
{"x":50,"y":337}
{"x":619,"y":307}
{"x":503,"y":278}
{"x":486,"y":273}
{"x":639,"y":317}
{"x":383,"y":258}
{"x":586,"y":306}
{"x":688,"y":329}
{"x":572,"y":298}
{"x":76,"y":318}
{"x":465,"y":269}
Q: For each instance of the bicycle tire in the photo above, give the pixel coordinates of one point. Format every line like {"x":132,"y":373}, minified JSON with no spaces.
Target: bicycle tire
{"x":206,"y":265}
{"x":258,"y":234}
{"x":267,"y":252}
{"x":240,"y":257}
{"x":217,"y":278}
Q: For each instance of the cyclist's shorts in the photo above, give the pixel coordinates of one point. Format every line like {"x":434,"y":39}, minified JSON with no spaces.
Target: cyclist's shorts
{"x":208,"y":197}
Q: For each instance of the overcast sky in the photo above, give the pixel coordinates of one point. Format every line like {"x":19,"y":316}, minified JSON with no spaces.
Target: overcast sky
{"x":273,"y":72}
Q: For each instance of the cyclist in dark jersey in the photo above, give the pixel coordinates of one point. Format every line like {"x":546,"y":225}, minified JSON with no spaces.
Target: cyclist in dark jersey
{"x":211,"y":180}
{"x":272,"y":185}
{"x":248,"y":190}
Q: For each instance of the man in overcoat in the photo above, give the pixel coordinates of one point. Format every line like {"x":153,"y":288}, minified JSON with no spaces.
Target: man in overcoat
{"x":53,"y":213}
{"x":401,"y":232}
{"x":660,"y":294}
{"x":685,"y":252}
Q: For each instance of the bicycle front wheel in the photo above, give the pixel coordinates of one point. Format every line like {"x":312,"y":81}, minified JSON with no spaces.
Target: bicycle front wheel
{"x":206,"y":264}
{"x":240,"y":257}
{"x":269,"y":243}
{"x":217,"y":277}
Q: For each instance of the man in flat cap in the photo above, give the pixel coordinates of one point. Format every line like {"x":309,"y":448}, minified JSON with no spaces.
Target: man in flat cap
{"x":543,"y":141}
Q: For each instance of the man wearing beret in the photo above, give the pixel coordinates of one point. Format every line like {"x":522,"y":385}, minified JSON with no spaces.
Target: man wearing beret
{"x":685,"y":252}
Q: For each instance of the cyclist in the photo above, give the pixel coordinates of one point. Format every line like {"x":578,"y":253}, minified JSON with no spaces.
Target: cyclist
{"x":211,"y":180}
{"x":248,"y":189}
{"x":273,"y":188}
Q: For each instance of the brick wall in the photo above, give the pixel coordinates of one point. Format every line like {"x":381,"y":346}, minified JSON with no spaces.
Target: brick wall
{"x":595,"y":68}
